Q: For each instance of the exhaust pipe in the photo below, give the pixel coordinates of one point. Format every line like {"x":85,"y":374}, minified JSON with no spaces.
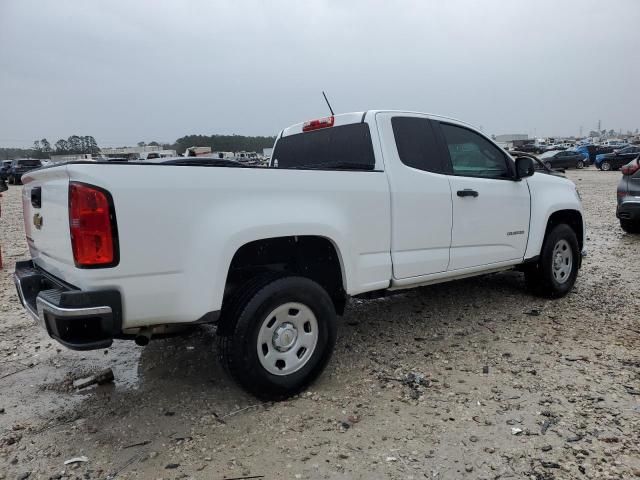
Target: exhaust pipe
{"x":143,"y":337}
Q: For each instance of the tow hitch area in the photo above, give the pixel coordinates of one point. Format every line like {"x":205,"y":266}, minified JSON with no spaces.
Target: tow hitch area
{"x":77,"y":319}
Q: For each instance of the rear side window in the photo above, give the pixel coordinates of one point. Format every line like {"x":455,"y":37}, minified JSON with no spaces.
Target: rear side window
{"x":346,"y":147}
{"x":416,"y":143}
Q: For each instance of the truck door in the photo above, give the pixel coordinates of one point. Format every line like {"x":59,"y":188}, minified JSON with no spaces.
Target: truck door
{"x":490,"y":209}
{"x":420,"y":194}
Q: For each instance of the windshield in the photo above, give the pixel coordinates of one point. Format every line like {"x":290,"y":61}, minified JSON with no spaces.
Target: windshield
{"x":346,"y":147}
{"x":548,"y":154}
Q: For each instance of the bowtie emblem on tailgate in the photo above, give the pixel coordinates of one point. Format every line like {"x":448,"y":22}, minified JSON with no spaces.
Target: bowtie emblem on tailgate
{"x":38,"y":221}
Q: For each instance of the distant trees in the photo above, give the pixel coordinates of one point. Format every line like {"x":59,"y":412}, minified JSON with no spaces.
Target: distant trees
{"x":11,"y":153}
{"x":223,"y":143}
{"x":74,"y":145}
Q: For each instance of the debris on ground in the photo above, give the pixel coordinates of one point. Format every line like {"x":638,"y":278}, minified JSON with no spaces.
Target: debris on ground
{"x":100,"y":378}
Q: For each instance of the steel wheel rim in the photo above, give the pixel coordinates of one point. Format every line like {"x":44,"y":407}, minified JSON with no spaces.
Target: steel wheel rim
{"x":562,"y":261}
{"x":287,"y":338}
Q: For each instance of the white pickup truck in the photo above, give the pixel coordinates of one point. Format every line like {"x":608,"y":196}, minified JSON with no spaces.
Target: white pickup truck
{"x":360,"y":203}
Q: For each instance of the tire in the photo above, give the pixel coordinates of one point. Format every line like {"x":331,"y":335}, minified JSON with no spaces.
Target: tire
{"x":630,"y":226}
{"x":554,"y":275}
{"x":605,"y":166}
{"x":580,"y":164}
{"x":261,"y":344}
{"x":548,"y":165}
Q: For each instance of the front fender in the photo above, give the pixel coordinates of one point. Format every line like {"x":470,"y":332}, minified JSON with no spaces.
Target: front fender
{"x":549,"y":194}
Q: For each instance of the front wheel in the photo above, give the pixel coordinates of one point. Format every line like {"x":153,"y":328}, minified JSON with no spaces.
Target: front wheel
{"x":606,"y":166}
{"x":580,"y":164}
{"x":548,"y":165}
{"x":555,"y":273}
{"x":279,"y":336}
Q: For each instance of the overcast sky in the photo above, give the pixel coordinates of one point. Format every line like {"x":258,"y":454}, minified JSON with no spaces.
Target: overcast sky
{"x":126,"y":71}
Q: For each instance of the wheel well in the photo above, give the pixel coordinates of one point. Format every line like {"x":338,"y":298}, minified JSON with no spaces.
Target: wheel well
{"x":573,"y":218}
{"x":307,"y":256}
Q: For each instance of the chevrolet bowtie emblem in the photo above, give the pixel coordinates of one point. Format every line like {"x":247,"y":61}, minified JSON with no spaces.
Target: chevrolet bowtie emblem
{"x":38,"y":220}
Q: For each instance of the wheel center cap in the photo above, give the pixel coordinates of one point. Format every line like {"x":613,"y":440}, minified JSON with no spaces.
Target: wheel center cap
{"x":558,"y":260}
{"x":285,"y":337}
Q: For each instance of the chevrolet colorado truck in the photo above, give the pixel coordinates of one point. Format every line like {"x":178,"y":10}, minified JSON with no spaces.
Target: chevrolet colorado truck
{"x":354,"y":204}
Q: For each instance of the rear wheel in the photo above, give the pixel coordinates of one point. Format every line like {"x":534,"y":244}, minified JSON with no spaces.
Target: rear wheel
{"x":555,"y":273}
{"x":606,"y":166}
{"x":630,"y":226}
{"x":278,"y":336}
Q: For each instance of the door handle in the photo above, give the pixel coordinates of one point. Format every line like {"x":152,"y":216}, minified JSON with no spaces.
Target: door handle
{"x":467,"y":192}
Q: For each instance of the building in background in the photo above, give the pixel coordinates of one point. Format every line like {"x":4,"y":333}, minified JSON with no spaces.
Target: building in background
{"x":511,"y":137}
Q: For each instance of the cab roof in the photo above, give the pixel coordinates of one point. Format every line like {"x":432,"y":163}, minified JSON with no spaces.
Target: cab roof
{"x":360,"y":117}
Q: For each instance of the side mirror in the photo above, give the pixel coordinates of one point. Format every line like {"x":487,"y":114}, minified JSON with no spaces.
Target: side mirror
{"x":524,"y":167}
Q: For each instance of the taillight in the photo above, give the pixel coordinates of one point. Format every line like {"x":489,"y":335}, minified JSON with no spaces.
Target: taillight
{"x":631,"y":167}
{"x":92,"y":224}
{"x":317,"y":124}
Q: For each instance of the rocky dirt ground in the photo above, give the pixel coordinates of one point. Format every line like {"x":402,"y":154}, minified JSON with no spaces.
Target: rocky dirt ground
{"x":475,"y":379}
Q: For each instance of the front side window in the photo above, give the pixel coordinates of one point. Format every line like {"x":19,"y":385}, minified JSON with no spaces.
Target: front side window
{"x":472,"y":155}
{"x":346,"y":147}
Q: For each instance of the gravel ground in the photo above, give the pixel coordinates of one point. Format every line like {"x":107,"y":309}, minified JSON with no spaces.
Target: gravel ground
{"x":473,"y":379}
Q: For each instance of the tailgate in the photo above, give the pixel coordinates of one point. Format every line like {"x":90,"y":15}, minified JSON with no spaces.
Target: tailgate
{"x":45,"y":203}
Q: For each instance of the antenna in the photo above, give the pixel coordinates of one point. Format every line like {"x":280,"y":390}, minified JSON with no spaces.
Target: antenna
{"x":328,"y":104}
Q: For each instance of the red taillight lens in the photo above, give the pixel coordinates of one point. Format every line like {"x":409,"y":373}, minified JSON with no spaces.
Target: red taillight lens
{"x":317,"y":124}
{"x":631,"y":167}
{"x":92,"y":226}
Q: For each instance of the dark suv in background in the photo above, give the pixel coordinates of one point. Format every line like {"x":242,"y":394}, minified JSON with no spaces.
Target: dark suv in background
{"x":628,"y":210}
{"x":20,"y":166}
{"x":4,"y":169}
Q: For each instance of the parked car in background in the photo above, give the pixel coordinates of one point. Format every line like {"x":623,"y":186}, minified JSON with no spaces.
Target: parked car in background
{"x":617,"y":158}
{"x":4,"y":169}
{"x":628,"y":210}
{"x":19,"y":167}
{"x":588,"y":151}
{"x":554,"y":147}
{"x":615,"y":143}
{"x":529,"y":148}
{"x":563,"y":159}
{"x":538,"y":165}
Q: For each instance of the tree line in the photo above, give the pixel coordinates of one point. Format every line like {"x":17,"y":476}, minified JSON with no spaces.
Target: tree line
{"x":73,"y":145}
{"x":76,"y":144}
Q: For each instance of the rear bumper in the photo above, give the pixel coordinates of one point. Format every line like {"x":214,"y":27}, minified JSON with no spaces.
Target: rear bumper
{"x":78,"y":320}
{"x":629,"y":210}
